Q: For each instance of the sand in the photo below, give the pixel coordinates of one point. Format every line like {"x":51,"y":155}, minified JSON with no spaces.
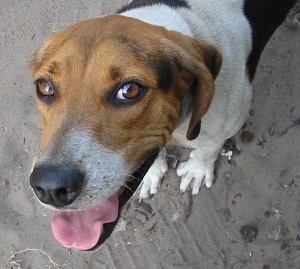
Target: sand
{"x":250,"y":218}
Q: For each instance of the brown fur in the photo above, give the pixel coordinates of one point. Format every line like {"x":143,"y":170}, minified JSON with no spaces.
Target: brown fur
{"x":91,"y":59}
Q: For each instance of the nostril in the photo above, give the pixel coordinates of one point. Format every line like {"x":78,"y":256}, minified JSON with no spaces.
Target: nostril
{"x":62,"y":192}
{"x":66,"y":196}
{"x":39,"y":192}
{"x":61,"y":196}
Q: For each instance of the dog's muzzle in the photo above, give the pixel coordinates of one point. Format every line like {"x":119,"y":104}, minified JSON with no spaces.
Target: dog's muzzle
{"x":88,"y":227}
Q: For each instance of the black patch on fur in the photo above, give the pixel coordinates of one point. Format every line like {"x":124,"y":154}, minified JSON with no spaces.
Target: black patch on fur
{"x":115,"y":72}
{"x":164,"y":73}
{"x":142,"y":3}
{"x":264,"y":17}
{"x":161,"y":66}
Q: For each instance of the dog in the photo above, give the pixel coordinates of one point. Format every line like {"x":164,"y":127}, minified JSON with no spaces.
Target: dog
{"x":113,"y":91}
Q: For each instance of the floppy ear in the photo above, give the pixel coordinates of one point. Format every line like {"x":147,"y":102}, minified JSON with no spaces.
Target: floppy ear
{"x":202,"y":91}
{"x":200,"y":64}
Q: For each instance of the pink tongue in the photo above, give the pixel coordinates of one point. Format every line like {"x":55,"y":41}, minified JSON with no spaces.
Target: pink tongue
{"x":82,"y":229}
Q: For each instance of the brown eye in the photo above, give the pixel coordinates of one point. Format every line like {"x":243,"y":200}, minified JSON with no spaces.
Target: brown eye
{"x":129,"y":91}
{"x":44,"y":88}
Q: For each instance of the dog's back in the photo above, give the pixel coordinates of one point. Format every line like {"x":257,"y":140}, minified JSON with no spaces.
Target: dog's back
{"x":264,"y":16}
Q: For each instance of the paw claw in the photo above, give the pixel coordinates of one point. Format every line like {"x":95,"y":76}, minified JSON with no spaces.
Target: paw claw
{"x":195,"y":192}
{"x":208,"y":184}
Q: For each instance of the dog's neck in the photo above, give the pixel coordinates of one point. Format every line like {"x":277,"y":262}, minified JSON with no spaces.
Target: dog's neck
{"x":160,"y":15}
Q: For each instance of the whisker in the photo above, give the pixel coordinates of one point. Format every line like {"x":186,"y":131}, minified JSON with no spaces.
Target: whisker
{"x":132,"y":177}
{"x":126,"y":186}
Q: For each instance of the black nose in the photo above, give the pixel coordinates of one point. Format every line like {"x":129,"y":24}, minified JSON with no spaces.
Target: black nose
{"x":56,"y":185}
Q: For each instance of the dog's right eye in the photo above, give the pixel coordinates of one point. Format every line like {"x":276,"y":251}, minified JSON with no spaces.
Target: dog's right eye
{"x":128,"y":94}
{"x":129,"y":91}
{"x":44,"y":87}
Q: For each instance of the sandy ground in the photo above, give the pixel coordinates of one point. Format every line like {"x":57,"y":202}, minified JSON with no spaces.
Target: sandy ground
{"x":249,"y":219}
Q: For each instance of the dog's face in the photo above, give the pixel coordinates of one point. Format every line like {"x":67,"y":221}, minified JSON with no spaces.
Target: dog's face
{"x":110,"y":93}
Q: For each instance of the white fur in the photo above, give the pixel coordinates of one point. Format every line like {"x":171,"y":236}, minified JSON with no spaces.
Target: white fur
{"x":157,"y":15}
{"x":220,"y":23}
{"x":104,"y":170}
{"x":152,"y":179}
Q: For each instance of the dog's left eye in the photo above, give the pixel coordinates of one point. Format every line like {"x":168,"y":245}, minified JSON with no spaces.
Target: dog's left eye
{"x":44,"y":87}
{"x":129,"y":91}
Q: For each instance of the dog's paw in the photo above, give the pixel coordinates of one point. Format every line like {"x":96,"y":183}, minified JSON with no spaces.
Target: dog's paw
{"x":193,"y":172}
{"x":152,"y":180}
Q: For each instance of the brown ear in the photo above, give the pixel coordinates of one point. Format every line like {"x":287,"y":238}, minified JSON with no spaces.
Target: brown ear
{"x":202,"y":91}
{"x":203,"y":63}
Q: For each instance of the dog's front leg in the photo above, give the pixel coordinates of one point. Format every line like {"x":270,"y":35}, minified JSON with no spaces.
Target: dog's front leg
{"x":152,"y":180}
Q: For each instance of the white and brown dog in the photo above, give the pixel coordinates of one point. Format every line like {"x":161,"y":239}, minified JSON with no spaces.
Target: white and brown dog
{"x":114,"y":90}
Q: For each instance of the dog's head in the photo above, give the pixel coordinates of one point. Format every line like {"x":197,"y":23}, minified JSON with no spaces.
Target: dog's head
{"x":110,"y":94}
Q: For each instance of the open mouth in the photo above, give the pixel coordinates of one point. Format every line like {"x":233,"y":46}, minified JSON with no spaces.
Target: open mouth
{"x":88,"y":229}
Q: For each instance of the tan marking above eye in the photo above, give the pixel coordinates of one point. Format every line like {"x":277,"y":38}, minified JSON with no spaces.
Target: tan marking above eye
{"x":45,"y":88}
{"x":129,"y":91}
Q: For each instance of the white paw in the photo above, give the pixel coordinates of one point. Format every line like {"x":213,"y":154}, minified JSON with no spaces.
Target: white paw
{"x":152,"y":180}
{"x":193,"y":172}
